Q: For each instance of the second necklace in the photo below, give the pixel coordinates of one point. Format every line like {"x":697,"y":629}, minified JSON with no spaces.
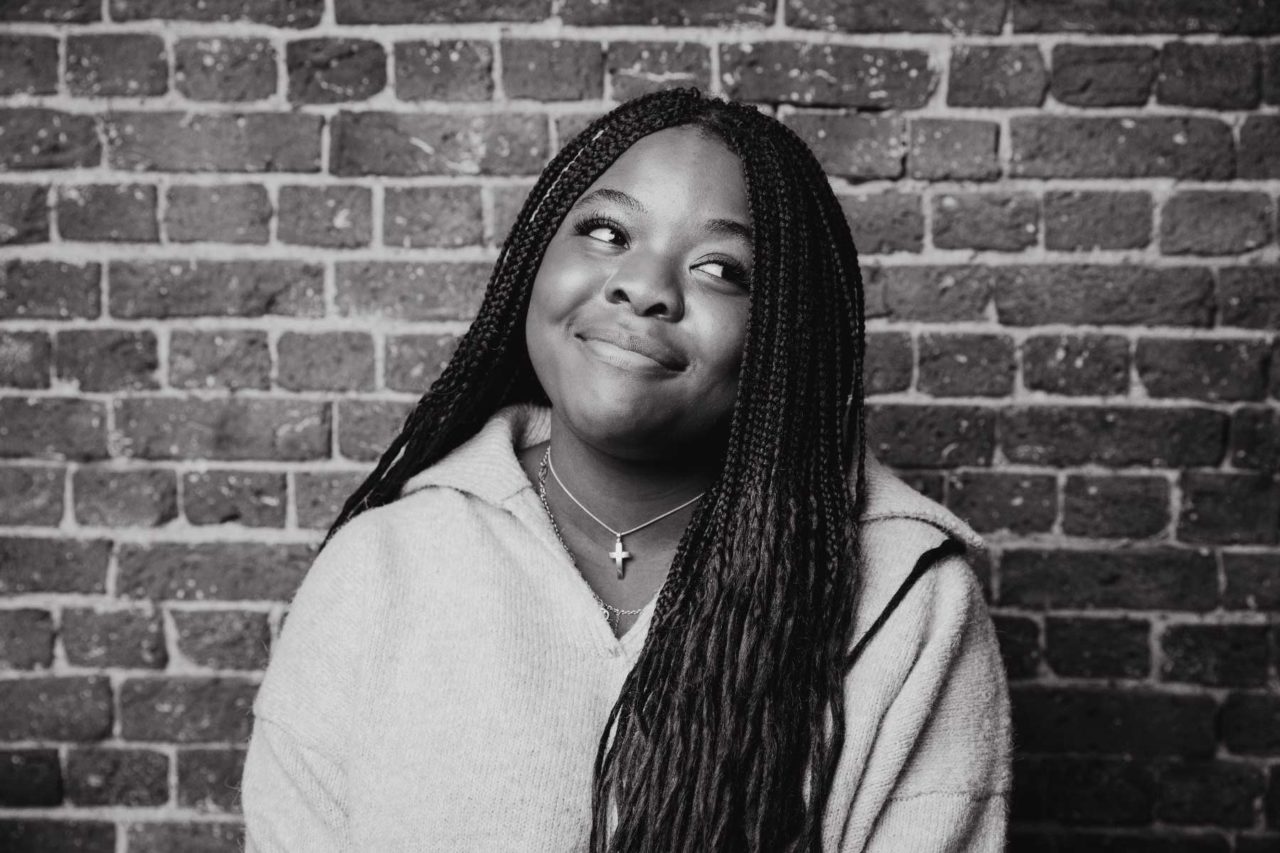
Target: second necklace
{"x":619,"y":555}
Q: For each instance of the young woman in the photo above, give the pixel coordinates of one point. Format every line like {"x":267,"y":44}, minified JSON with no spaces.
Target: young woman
{"x":627,"y":579}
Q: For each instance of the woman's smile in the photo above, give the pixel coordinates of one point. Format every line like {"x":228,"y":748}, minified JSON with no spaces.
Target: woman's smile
{"x":630,"y":351}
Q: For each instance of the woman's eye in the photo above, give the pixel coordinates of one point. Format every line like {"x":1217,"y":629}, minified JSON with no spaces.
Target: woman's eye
{"x":605,"y":234}
{"x":723,"y":269}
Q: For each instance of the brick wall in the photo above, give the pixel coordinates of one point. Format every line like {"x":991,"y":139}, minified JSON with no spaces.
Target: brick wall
{"x":239,"y":236}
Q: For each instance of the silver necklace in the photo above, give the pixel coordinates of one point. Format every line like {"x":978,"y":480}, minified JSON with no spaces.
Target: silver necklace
{"x":618,"y":555}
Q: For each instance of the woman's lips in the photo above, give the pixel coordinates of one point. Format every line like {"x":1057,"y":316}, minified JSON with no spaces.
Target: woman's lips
{"x":629,"y":349}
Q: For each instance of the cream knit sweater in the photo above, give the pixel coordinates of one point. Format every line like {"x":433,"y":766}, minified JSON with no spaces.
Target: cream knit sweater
{"x":444,"y":676}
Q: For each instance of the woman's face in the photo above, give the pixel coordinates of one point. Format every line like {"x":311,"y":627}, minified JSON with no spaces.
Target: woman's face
{"x":638,"y":314}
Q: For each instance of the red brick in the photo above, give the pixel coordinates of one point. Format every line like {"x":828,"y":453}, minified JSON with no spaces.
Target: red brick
{"x":1176,"y":16}
{"x":289,"y":13}
{"x":1215,"y":222}
{"x":58,"y":835}
{"x":1115,"y":437}
{"x":853,"y":146}
{"x":29,"y":65}
{"x":1205,"y":369}
{"x":710,"y":13}
{"x":367,"y":427}
{"x":439,"y":12}
{"x":117,"y":777}
{"x":209,"y":779}
{"x":1252,"y":581}
{"x":1082,"y":220}
{"x":914,"y":436}
{"x":30,"y":777}
{"x":334,"y":70}
{"x":954,"y":149}
{"x":1251,"y":724}
{"x":1101,"y":506}
{"x":1004,"y":500}
{"x":223,"y":359}
{"x":1213,"y":76}
{"x":406,"y":290}
{"x":330,"y":361}
{"x":1097,"y":647}
{"x":223,"y":639}
{"x":1019,"y":640}
{"x":826,"y":75}
{"x":221,"y":142}
{"x":334,"y":216}
{"x":38,"y":138}
{"x":26,"y":642}
{"x":637,"y":68}
{"x":223,"y":571}
{"x":107,"y":359}
{"x":964,"y":365}
{"x":1212,"y":793}
{"x":1224,"y":508}
{"x":449,"y":70}
{"x":894,"y":16}
{"x":413,"y":362}
{"x":320,"y":496}
{"x":1102,"y":721}
{"x":885,"y":222}
{"x":216,"y":288}
{"x":105,"y":65}
{"x":224,"y":69}
{"x":52,"y":428}
{"x":1102,"y":147}
{"x":1082,"y":790}
{"x":932,"y":293}
{"x":25,"y":359}
{"x":553,"y":70}
{"x":1076,"y":364}
{"x":996,"y":76}
{"x":380,"y":143}
{"x":1103,"y":295}
{"x":1007,"y":222}
{"x":1255,"y":439}
{"x":231,"y":428}
{"x":24,"y":213}
{"x":251,"y":498}
{"x":1215,"y":655}
{"x":74,"y":708}
{"x":31,"y":495}
{"x":115,"y":497}
{"x":226,"y":213}
{"x":132,"y":639}
{"x":1103,"y":75}
{"x":433,"y":216}
{"x":206,"y":837}
{"x":53,"y":565}
{"x":108,"y":212}
{"x":1260,"y":147}
{"x":186,"y":710}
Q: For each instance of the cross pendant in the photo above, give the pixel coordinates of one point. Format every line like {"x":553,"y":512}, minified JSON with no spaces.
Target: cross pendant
{"x":618,"y":556}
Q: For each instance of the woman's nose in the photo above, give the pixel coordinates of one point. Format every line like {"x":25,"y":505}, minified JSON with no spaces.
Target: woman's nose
{"x":649,"y":285}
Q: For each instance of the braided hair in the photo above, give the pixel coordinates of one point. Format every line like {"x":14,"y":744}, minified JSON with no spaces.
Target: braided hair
{"x":727,"y":730}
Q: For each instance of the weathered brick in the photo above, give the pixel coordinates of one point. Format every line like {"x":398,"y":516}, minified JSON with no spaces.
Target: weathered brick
{"x":366,"y":427}
{"x":1100,"y":147}
{"x":320,"y":496}
{"x":26,"y":642}
{"x":58,"y":834}
{"x":329,"y":361}
{"x":1003,"y":500}
{"x":637,"y":68}
{"x":115,"y":497}
{"x":1019,"y":640}
{"x":885,"y":222}
{"x":333,"y":70}
{"x":29,"y":65}
{"x":914,"y":16}
{"x":1251,"y":724}
{"x":460,"y":70}
{"x":406,"y":290}
{"x":53,"y":565}
{"x":1075,"y":790}
{"x":52,"y":11}
{"x":1272,"y":808}
{"x":1116,"y":437}
{"x":1098,"y":648}
{"x":931,"y":293}
{"x":1271,"y":74}
{"x":1128,"y":840}
{"x":826,"y":75}
{"x":1103,"y":506}
{"x":224,"y":69}
{"x":107,"y":359}
{"x":25,"y":428}
{"x":1215,"y":222}
{"x":31,"y":494}
{"x":507,"y":201}
{"x":887,"y":367}
{"x":227,"y":213}
{"x":954,"y":150}
{"x":381,"y":143}
{"x":552,"y":70}
{"x":413,"y":362}
{"x":433,"y":216}
{"x":1082,"y":220}
{"x":49,"y":290}
{"x":1098,"y":294}
{"x":711,"y":13}
{"x":215,"y":288}
{"x":853,"y":146}
{"x":1007,"y":222}
{"x":1179,"y":16}
{"x":209,"y":779}
{"x":108,"y":212}
{"x":569,"y":126}
{"x":1103,"y":75}
{"x":996,"y":76}
{"x":1255,"y":439}
{"x":24,"y":213}
{"x":438,"y":12}
{"x":1100,"y":721}
{"x":1210,"y":793}
{"x":186,"y":710}
{"x":26,"y":359}
{"x":75,"y":708}
{"x":224,"y":571}
{"x":30,"y":777}
{"x":1159,"y":579}
{"x":1204,"y":368}
{"x":1260,"y":147}
{"x":104,"y":65}
{"x":223,"y":359}
{"x":963,"y":365}
{"x":1214,"y":76}
{"x":127,"y":638}
{"x":232,"y":428}
{"x":1215,"y":655}
{"x":223,"y":639}
{"x":279,"y":13}
{"x":1076,"y":364}
{"x":117,"y":777}
{"x":205,"y":837}
{"x":910,"y":436}
{"x":251,"y":498}
{"x":39,"y":138}
{"x":221,"y":142}
{"x":1229,"y":508}
{"x":335,"y":216}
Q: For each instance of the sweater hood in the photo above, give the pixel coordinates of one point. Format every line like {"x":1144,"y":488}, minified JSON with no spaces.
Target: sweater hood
{"x":486,"y":466}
